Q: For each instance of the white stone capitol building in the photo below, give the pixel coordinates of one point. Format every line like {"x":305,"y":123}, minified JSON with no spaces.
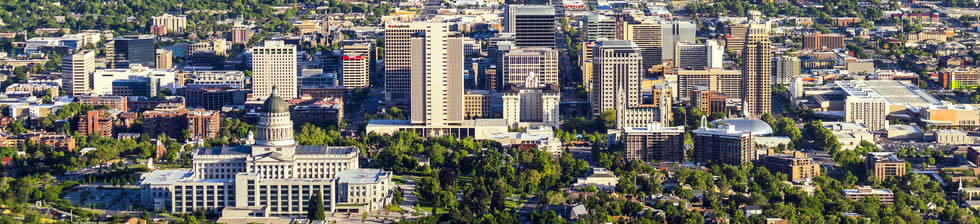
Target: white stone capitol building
{"x":272,"y":178}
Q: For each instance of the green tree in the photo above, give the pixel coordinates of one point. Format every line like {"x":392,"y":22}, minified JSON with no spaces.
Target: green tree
{"x":316,"y":211}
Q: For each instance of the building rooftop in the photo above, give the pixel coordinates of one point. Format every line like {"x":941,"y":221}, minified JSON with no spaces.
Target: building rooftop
{"x":884,"y":156}
{"x":165,"y":176}
{"x":893,"y":91}
{"x":867,"y":190}
{"x":225,"y":150}
{"x":322,"y":149}
{"x":532,"y":9}
{"x":617,"y":43}
{"x":361,"y":175}
{"x":653,"y":127}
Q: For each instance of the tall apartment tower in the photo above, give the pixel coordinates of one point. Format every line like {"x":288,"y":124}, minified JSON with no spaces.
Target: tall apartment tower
{"x":647,"y":34}
{"x":654,"y":142}
{"x":676,"y":32}
{"x":436,"y":76}
{"x":532,"y":25}
{"x":616,"y":75}
{"x":398,"y":60}
{"x":723,"y":145}
{"x":521,"y":63}
{"x":241,"y":34}
{"x":77,"y":70}
{"x":274,"y":65}
{"x":757,"y":71}
{"x":785,"y":68}
{"x":171,"y":23}
{"x":596,"y":27}
{"x":164,"y":58}
{"x":707,"y":55}
{"x":129,"y":50}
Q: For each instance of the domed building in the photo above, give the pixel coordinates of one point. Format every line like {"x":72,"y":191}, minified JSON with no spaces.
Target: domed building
{"x":243,"y":182}
{"x":757,"y":127}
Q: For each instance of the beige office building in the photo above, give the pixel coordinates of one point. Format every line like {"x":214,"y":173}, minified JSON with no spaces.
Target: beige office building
{"x":477,"y":104}
{"x":436,"y":76}
{"x":274,"y":65}
{"x":724,"y":81}
{"x":757,"y":71}
{"x":616,"y":75}
{"x":77,"y":70}
{"x":521,"y":63}
{"x":870,"y":111}
{"x":165,"y":58}
{"x":398,"y":59}
{"x":648,"y":35}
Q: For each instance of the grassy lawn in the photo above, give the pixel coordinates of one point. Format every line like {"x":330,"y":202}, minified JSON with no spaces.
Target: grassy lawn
{"x":399,"y":180}
{"x":394,"y":208}
{"x":429,"y":209}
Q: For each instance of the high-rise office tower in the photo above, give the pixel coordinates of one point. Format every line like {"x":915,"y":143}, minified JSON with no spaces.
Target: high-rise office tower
{"x":398,"y":60}
{"x":521,"y":63}
{"x":757,"y":71}
{"x":355,"y":70}
{"x":436,"y":76}
{"x":647,"y":34}
{"x":596,"y":27}
{"x":698,"y":56}
{"x":356,"y":63}
{"x":616,"y":75}
{"x":76,"y":70}
{"x":785,"y":68}
{"x":124,"y":51}
{"x":532,"y":25}
{"x":274,"y":65}
{"x":676,"y":32}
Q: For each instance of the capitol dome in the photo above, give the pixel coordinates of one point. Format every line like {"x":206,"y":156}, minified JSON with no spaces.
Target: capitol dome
{"x":275,"y":104}
{"x":757,"y":127}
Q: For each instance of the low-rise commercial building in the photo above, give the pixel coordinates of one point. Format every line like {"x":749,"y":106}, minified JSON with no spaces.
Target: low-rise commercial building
{"x":885,"y":196}
{"x":884,"y":164}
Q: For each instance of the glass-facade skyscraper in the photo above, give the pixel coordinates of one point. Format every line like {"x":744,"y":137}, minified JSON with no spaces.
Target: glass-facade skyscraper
{"x":124,"y":51}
